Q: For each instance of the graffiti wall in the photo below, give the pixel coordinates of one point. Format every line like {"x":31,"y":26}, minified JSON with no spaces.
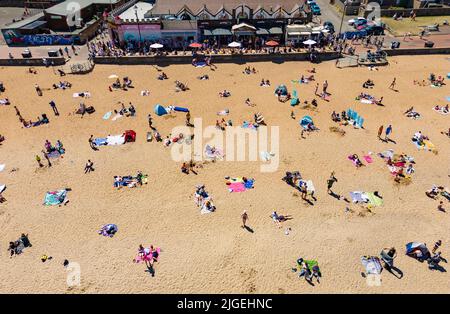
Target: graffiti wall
{"x":13,"y":38}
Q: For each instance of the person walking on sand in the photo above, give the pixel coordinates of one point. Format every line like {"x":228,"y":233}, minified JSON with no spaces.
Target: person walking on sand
{"x":91,"y":143}
{"x":380,"y":131}
{"x":388,"y":132}
{"x":441,"y":207}
{"x":244,"y":218}
{"x":89,"y":166}
{"x":317,"y":88}
{"x":393,"y":83}
{"x":330,"y":182}
{"x":325,"y":87}
{"x":38,"y":159}
{"x":46,"y":157}
{"x":55,"y":110}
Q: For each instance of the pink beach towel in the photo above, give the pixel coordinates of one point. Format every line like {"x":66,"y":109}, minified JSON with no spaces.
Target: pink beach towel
{"x":368,"y":158}
{"x":236,"y":187}
{"x":146,"y":256}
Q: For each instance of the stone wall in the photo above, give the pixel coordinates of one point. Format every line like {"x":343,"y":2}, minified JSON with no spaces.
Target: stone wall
{"x":238,"y":59}
{"x":30,"y":62}
{"x":419,"y":12}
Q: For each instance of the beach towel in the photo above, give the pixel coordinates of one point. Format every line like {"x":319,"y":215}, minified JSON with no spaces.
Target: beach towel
{"x":236,"y":187}
{"x":55,"y":197}
{"x":354,"y":161}
{"x":373,"y":199}
{"x":107,"y":115}
{"x":82,"y":94}
{"x":2,"y":167}
{"x":117,"y":116}
{"x":248,"y":125}
{"x":101,"y":141}
{"x":199,"y":64}
{"x":54,"y":154}
{"x":4,"y":101}
{"x":310,"y":187}
{"x":366,"y":101}
{"x":441,"y":111}
{"x":358,"y":196}
{"x":181,"y":109}
{"x":2,"y":187}
{"x":224,"y":112}
{"x":115,"y":140}
{"x":447,"y":98}
{"x":368,"y":159}
{"x":372,"y":265}
{"x":213,"y":154}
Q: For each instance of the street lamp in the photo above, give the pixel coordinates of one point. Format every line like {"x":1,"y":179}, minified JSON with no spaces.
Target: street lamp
{"x":137,"y":19}
{"x":343,"y":14}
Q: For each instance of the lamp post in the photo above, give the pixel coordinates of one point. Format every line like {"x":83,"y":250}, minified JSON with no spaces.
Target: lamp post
{"x":137,"y":19}
{"x":343,"y":14}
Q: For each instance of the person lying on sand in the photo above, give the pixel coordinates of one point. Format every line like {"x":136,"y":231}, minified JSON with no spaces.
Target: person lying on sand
{"x":278,"y":219}
{"x":224,"y":93}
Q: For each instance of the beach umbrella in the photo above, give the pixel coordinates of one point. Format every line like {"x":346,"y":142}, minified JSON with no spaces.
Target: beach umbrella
{"x":113,"y":76}
{"x":234,"y":44}
{"x":272,"y":43}
{"x":195,"y":45}
{"x":309,"y":42}
{"x":156,"y":46}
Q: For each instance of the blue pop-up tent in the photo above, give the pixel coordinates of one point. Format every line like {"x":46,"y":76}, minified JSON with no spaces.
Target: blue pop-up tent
{"x":160,"y":110}
{"x":305,"y":121}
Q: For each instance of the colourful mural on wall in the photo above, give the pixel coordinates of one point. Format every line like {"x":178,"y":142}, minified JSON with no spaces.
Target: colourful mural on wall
{"x":13,"y":38}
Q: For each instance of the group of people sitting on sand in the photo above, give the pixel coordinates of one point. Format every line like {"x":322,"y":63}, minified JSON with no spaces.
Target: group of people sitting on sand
{"x":436,"y":81}
{"x":442,"y":109}
{"x":410,"y":113}
{"x":203,"y":77}
{"x":163,"y":76}
{"x":368,"y":84}
{"x":370,"y":98}
{"x":127,"y":112}
{"x":188,"y":167}
{"x":419,"y":138}
{"x":222,"y":124}
{"x":249,"y":70}
{"x":130,"y":181}
{"x":62,"y":85}
{"x":127,"y":83}
{"x":264,"y":83}
{"x":437,"y":191}
{"x":343,"y":118}
{"x":17,"y":247}
{"x":203,"y":200}
{"x":59,"y":147}
{"x":306,"y":80}
{"x":225,"y":93}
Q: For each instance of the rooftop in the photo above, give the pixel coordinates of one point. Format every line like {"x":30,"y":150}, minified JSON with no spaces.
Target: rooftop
{"x":66,"y":7}
{"x":130,"y":14}
{"x":213,"y":6}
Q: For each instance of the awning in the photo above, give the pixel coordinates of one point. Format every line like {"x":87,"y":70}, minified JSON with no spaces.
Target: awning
{"x":207,"y":32}
{"x":262,"y":31}
{"x":244,"y":33}
{"x":276,"y":30}
{"x":34,"y":25}
{"x":243,"y":26}
{"x":221,"y":32}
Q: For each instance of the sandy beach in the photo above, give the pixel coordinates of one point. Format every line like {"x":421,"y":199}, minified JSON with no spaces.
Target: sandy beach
{"x":212,"y":253}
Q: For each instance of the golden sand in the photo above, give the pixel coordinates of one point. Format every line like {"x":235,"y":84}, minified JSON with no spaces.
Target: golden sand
{"x":211,"y":253}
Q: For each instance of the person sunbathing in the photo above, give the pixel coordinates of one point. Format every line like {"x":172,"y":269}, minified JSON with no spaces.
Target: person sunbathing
{"x":278,"y":219}
{"x":224,"y":93}
{"x":433,"y":192}
{"x":356,"y":160}
{"x":184,"y":168}
{"x":368,"y":84}
{"x":204,"y":77}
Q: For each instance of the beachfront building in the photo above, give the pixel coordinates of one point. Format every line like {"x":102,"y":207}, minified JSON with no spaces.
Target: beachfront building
{"x":64,"y":23}
{"x":177,"y":23}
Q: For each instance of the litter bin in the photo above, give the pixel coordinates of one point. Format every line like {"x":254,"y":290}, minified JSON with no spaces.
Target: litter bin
{"x":26,"y":53}
{"x":53,"y":53}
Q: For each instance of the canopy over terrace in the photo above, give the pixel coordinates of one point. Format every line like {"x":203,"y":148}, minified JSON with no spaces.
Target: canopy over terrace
{"x":243,"y":29}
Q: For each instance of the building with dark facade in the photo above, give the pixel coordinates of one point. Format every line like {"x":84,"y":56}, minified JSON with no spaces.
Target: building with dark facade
{"x":222,"y":21}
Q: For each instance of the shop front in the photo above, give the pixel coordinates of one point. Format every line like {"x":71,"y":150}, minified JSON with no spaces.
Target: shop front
{"x":139,"y":32}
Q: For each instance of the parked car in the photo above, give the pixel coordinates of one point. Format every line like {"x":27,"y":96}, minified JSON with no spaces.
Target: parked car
{"x":374,"y":30}
{"x":315,"y":9}
{"x":329,"y":26}
{"x":351,"y":22}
